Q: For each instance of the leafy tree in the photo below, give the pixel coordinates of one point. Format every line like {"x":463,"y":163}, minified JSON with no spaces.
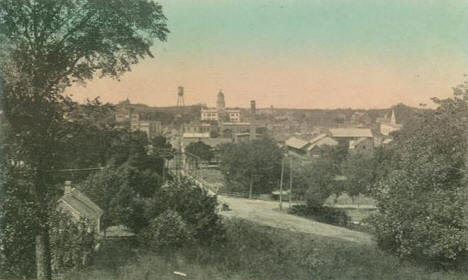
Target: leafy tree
{"x":167,"y":232}
{"x":359,"y":171}
{"x":196,"y":207}
{"x":49,"y":45}
{"x":321,"y":182}
{"x":120,"y":192}
{"x":255,"y":164}
{"x":73,"y":242}
{"x":421,"y":201}
{"x":201,"y":150}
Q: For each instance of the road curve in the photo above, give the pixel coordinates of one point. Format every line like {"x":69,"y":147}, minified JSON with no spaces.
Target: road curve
{"x":267,"y":213}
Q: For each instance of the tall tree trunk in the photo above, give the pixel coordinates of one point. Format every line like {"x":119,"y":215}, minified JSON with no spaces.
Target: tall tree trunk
{"x":43,"y":258}
{"x":43,"y":252}
{"x":465,"y":176}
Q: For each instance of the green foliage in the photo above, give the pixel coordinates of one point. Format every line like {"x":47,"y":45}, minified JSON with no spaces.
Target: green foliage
{"x":16,"y":229}
{"x":359,"y":171}
{"x":257,"y":252}
{"x":46,"y":46}
{"x":197,"y":208}
{"x":421,"y":201}
{"x":167,"y":232}
{"x":324,"y":214}
{"x":73,"y":242}
{"x":257,"y":161}
{"x":201,"y":150}
{"x":119,"y":192}
{"x":321,"y":181}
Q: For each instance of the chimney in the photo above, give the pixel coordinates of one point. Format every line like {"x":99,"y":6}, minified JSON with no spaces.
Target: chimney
{"x":253,"y":108}
{"x":68,"y":187}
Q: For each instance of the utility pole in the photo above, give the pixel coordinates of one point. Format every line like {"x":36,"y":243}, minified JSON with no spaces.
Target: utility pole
{"x":281,"y":186}
{"x":251,"y":185}
{"x":290,"y":182}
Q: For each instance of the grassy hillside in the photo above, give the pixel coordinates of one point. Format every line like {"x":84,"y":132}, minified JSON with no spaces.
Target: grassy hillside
{"x":257,"y":252}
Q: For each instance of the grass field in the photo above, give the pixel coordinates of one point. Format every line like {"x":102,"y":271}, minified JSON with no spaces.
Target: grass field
{"x":258,"y":252}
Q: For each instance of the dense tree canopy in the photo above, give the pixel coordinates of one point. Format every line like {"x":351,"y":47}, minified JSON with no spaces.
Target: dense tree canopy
{"x":201,"y":150}
{"x":256,"y":163}
{"x":421,"y":201}
{"x":47,"y":45}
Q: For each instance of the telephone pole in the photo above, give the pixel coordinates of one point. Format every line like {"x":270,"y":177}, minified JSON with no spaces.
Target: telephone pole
{"x":290,"y":182}
{"x":281,"y":186}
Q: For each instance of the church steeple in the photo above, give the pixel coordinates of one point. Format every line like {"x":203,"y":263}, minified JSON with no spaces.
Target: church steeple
{"x":393,"y":118}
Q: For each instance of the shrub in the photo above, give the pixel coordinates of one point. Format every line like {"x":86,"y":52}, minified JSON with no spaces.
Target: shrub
{"x":196,"y":207}
{"x":166,"y":232}
{"x":421,"y":201}
{"x":322,"y":214}
{"x":73,"y":242}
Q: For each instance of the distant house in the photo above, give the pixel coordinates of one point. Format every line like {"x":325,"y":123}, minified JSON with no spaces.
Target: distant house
{"x":350,"y":133}
{"x":298,"y":146}
{"x":318,"y":142}
{"x":361,"y":146}
{"x":79,"y":206}
{"x":357,"y":139}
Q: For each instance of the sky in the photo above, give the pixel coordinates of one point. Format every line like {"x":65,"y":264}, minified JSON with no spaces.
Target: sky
{"x":300,"y":54}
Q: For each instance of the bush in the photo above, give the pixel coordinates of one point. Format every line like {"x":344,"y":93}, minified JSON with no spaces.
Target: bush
{"x":166,"y":232}
{"x":322,"y":214}
{"x":421,"y":201}
{"x":196,"y":207}
{"x":72,"y":242}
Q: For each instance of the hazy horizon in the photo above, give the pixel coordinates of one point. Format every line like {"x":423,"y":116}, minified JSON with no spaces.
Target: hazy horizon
{"x":309,"y":54}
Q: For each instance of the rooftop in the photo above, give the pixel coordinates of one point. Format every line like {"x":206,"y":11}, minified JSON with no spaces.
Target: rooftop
{"x":196,"y":135}
{"x":81,"y":203}
{"x":296,"y":143}
{"x":351,"y":132}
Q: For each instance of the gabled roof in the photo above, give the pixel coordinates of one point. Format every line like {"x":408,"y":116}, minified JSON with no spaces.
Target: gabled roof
{"x":82,"y":204}
{"x":351,"y":132}
{"x":321,"y":140}
{"x":296,"y":143}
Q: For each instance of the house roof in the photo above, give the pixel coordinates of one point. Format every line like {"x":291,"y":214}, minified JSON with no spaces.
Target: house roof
{"x":82,"y":204}
{"x":351,"y":132}
{"x":196,"y":135}
{"x":387,"y":141}
{"x":296,"y":143}
{"x":321,"y":140}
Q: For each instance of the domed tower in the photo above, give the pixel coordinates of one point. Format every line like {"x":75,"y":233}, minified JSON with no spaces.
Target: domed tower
{"x":220,"y":105}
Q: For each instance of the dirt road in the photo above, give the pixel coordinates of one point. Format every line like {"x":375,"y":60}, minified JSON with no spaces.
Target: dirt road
{"x":267,"y":213}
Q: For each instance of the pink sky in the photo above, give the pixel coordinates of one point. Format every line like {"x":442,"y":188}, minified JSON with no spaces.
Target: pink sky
{"x":300,"y":53}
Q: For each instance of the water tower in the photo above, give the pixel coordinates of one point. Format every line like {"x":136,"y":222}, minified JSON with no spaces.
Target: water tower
{"x":180,"y":97}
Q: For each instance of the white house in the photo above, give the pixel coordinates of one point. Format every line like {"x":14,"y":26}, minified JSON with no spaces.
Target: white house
{"x":79,"y":206}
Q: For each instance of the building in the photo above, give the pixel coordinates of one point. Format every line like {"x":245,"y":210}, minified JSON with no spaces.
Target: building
{"x":197,"y":127}
{"x":150,"y":127}
{"x":220,"y":113}
{"x":389,"y":124}
{"x":361,"y":146}
{"x":317,"y":143}
{"x":212,"y":114}
{"x":297,"y":146}
{"x":229,"y":129}
{"x":357,"y":139}
{"x":79,"y":206}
